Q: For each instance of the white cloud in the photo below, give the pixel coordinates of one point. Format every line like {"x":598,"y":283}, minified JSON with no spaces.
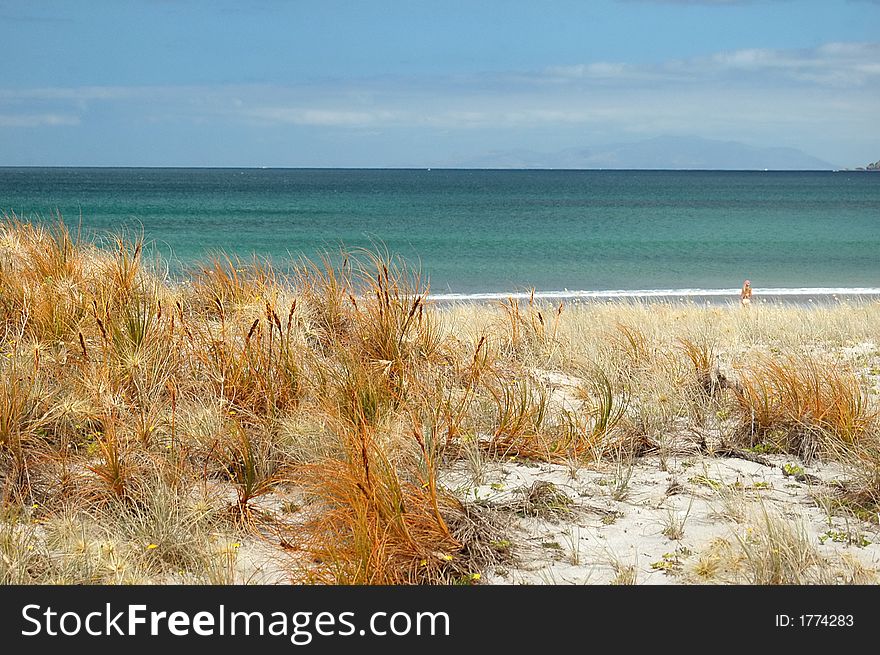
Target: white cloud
{"x":832,"y":64}
{"x":791,"y":97}
{"x":318,"y":117}
{"x":835,"y":64}
{"x":564,"y":94}
{"x":79,"y":94}
{"x":597,"y":70}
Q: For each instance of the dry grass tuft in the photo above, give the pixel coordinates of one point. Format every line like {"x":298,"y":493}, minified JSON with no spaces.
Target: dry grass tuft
{"x":380,"y":524}
{"x":802,"y":405}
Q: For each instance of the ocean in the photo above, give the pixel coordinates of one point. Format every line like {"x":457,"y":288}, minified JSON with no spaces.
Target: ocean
{"x":490,"y":233}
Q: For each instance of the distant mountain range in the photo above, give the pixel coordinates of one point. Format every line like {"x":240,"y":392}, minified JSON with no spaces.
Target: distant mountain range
{"x":665,"y":152}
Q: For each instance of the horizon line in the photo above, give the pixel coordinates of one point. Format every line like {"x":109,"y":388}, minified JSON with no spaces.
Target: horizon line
{"x":443,"y":168}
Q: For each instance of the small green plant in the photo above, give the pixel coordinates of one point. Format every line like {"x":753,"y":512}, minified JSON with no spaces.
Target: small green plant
{"x":501,"y":545}
{"x":706,"y":481}
{"x":792,"y":470}
{"x":764,"y":448}
{"x":468,"y":579}
{"x":670,"y":562}
{"x":839,"y":537}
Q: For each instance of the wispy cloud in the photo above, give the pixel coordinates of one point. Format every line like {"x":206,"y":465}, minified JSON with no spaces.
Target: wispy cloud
{"x":79,"y":94}
{"x":597,"y":70}
{"x":836,"y":64}
{"x":564,"y":94}
{"x":322,"y":117}
{"x":793,"y":97}
{"x":832,"y":64}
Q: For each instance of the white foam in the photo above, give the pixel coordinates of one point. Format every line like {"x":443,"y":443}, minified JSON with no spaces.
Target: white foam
{"x":658,"y":293}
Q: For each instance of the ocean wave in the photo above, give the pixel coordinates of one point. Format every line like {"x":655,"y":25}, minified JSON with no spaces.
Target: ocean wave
{"x":658,"y":293}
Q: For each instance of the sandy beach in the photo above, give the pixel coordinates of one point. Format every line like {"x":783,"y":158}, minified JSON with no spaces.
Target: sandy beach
{"x":337,"y":425}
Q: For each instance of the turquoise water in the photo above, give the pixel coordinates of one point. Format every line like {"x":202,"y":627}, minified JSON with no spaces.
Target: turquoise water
{"x":479,"y":231}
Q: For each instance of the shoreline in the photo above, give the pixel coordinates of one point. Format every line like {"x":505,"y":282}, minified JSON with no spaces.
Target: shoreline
{"x":684,"y":297}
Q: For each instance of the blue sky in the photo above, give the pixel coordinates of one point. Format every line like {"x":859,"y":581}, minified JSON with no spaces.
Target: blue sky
{"x":411,"y":83}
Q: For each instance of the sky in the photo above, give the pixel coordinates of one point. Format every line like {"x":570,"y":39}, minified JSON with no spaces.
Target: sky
{"x":399,"y":83}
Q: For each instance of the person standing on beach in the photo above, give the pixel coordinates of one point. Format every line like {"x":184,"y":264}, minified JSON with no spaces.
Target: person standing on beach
{"x":745,"y":296}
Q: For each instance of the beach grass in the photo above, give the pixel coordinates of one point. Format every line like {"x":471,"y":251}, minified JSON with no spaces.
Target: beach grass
{"x":149,"y":427}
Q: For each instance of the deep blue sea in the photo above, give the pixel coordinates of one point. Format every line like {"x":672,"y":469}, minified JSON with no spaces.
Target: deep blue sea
{"x":495,"y":231}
